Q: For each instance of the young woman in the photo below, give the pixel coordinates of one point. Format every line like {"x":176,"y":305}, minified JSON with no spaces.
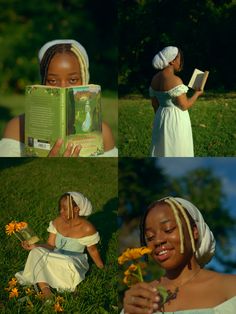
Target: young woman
{"x":172,"y":132}
{"x":61,"y":263}
{"x":63,"y":63}
{"x":182,"y":244}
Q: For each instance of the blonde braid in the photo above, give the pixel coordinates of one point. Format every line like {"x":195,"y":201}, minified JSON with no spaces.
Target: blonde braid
{"x":182,"y":210}
{"x":83,"y":66}
{"x":178,"y":221}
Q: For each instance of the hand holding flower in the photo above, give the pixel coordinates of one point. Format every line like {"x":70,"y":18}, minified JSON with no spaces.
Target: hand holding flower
{"x":27,"y":246}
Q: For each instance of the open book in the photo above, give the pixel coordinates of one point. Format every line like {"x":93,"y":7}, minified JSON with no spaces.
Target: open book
{"x":198,"y":79}
{"x":70,"y":113}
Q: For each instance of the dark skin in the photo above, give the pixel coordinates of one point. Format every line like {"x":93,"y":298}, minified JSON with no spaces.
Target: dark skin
{"x":182,"y":270}
{"x":166,"y":80}
{"x":76,"y":227}
{"x":63,"y":71}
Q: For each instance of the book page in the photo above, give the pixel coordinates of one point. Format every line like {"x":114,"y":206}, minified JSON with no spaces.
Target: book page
{"x":198,"y":79}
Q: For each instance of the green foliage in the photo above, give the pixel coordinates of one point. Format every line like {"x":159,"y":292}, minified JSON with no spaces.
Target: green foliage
{"x":212,"y":119}
{"x":204,"y":30}
{"x":30,"y":193}
{"x":26,"y":26}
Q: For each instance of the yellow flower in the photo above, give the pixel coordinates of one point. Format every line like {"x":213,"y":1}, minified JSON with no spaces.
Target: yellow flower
{"x":39,"y":296}
{"x":21,"y":225}
{"x":135,"y":253}
{"x":10,"y":228}
{"x":14,"y":293}
{"x":28,"y":291}
{"x":12,"y":283}
{"x":59,"y":299}
{"x":58,"y":307}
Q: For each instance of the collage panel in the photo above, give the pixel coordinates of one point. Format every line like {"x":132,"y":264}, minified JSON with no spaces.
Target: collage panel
{"x":177,"y":235}
{"x":59,"y":235}
{"x":58,"y":82}
{"x":176,"y":93}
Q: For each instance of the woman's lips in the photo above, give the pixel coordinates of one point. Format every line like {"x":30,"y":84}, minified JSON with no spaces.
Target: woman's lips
{"x":162,"y":254}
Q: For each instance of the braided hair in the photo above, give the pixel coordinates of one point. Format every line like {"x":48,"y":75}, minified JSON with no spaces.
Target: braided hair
{"x":49,"y":54}
{"x":177,"y":210}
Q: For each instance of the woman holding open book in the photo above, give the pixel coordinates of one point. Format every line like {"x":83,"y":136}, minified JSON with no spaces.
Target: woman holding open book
{"x":172,"y":132}
{"x":63,"y":63}
{"x":61,"y":263}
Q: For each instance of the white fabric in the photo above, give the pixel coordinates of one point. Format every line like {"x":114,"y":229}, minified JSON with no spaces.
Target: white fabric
{"x":172,"y":131}
{"x":206,"y":243}
{"x":62,"y":268}
{"x":81,"y":51}
{"x":83,"y":203}
{"x":13,"y":148}
{"x":162,"y":59}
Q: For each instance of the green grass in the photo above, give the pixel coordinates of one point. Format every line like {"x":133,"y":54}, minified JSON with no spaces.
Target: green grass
{"x":13,"y":105}
{"x":212,"y":118}
{"x":29,"y":191}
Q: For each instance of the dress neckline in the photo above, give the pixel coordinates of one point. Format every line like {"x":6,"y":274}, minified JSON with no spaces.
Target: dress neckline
{"x":169,"y":90}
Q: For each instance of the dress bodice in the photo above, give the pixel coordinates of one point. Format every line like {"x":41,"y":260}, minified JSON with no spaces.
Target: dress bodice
{"x":73,"y":244}
{"x":166,"y":98}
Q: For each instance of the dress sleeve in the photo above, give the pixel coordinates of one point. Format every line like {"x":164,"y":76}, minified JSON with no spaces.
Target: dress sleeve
{"x":90,"y":240}
{"x":51,"y":228}
{"x":178,"y":90}
{"x":11,"y":148}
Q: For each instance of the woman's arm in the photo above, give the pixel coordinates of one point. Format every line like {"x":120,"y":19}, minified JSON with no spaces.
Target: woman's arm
{"x":49,"y":245}
{"x":185,"y":103}
{"x":93,"y":252}
{"x":155,"y":104}
{"x":108,"y":139}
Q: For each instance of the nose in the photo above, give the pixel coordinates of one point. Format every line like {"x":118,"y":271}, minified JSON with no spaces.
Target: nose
{"x":63,"y":84}
{"x":160,"y":239}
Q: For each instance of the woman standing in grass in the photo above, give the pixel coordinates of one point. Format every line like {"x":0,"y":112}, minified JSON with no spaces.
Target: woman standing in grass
{"x":181,"y":243}
{"x":172,"y":132}
{"x":63,"y":63}
{"x":61,"y":263}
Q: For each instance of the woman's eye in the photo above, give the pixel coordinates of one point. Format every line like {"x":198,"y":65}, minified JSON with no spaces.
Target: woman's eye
{"x":73,"y":80}
{"x":150,"y":238}
{"x":170,"y":230}
{"x":52,"y":82}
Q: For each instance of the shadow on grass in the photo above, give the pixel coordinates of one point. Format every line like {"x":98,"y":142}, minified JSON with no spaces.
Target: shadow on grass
{"x":105,"y":222}
{"x":6,"y":162}
{"x":5,"y":113}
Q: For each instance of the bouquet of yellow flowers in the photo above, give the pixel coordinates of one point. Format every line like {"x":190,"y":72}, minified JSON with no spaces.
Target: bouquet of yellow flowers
{"x":22,"y":231}
{"x":134,"y":273}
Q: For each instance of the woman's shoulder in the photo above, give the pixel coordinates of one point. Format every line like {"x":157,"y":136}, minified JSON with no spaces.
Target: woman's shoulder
{"x":225,"y":282}
{"x":87,"y":228}
{"x":15,"y":128}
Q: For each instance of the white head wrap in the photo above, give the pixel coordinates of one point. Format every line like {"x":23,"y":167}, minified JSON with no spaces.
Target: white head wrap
{"x":77,"y":48}
{"x":206,"y":243}
{"x":82,"y":202}
{"x":162,"y":59}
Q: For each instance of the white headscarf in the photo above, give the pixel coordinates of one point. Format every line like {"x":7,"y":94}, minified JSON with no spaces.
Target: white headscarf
{"x":205,"y":248}
{"x":162,"y":59}
{"x":82,"y":202}
{"x":77,"y":48}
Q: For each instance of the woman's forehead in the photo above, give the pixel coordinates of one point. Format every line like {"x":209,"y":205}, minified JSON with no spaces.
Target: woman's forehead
{"x":160,"y":213}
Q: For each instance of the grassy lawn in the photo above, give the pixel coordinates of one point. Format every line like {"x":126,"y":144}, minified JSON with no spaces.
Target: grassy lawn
{"x":30,"y":193}
{"x":13,"y":105}
{"x":213,"y":124}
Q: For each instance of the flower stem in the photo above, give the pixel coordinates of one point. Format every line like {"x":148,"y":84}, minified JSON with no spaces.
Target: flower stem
{"x":140,"y":273}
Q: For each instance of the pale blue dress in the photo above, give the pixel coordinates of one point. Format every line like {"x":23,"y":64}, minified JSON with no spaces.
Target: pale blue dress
{"x":172,"y":131}
{"x":62,"y":268}
{"x":227,"y":307}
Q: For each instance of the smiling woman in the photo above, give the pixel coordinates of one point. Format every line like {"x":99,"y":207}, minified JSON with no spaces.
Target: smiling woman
{"x":181,"y":243}
{"x":63,"y":63}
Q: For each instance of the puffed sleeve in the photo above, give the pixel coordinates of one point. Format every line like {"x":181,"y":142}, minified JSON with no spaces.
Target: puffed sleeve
{"x":90,"y":240}
{"x":178,"y":90}
{"x":51,"y":228}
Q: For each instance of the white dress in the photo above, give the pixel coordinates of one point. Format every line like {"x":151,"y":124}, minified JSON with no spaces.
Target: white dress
{"x":14,"y":148}
{"x":62,"y":268}
{"x":172,"y":132}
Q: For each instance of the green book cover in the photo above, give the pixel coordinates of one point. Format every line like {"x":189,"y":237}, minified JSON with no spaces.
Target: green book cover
{"x":70,"y":113}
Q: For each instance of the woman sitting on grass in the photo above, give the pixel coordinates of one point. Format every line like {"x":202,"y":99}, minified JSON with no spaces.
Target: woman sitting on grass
{"x":182,"y":244}
{"x":172,"y":132}
{"x":62,"y":263}
{"x":63,"y":63}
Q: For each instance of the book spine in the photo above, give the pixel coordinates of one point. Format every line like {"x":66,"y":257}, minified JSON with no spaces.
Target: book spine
{"x":63,"y":114}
